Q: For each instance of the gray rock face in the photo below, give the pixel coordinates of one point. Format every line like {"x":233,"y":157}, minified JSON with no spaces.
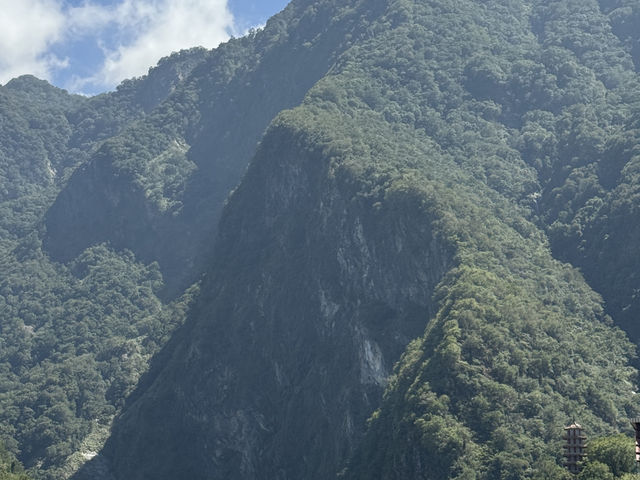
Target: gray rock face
{"x":315,"y":294}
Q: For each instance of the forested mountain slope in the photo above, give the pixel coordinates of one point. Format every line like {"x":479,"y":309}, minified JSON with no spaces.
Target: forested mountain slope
{"x":74,"y":338}
{"x":591,"y":199}
{"x":139,"y":177}
{"x":406,"y":197}
{"x":383,"y":293}
{"x":158,"y":188}
{"x":46,"y":133}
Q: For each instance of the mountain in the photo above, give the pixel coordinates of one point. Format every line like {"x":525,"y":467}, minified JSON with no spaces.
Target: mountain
{"x":158,"y":188}
{"x":76,"y":336}
{"x":375,"y":239}
{"x":407,"y":197}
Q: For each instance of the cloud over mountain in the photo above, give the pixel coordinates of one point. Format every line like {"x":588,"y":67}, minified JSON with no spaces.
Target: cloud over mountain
{"x":131,"y":35}
{"x":28,"y":29}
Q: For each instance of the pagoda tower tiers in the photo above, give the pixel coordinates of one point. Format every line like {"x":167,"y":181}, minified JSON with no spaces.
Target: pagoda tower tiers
{"x":636,"y":426}
{"x":575,"y":447}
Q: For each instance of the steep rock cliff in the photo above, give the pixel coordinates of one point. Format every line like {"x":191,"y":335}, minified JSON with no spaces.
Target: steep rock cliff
{"x":314,"y":294}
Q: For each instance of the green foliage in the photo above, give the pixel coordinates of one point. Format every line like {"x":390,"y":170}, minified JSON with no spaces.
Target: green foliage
{"x":630,"y":476}
{"x":74,"y":339}
{"x":617,"y":453}
{"x":595,"y":470}
{"x":10,"y":467}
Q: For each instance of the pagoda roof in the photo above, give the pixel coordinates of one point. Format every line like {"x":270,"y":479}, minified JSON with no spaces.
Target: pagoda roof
{"x":574,"y":426}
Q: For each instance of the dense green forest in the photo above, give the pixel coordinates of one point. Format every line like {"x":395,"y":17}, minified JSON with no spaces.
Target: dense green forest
{"x":10,"y":467}
{"x":376,"y":239}
{"x":75,"y":337}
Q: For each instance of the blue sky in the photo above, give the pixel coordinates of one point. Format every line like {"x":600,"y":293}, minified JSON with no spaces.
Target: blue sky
{"x":249,"y":13}
{"x":89,"y":46}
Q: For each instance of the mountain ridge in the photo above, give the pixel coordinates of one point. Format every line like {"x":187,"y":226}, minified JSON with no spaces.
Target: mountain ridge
{"x":218,"y":123}
{"x":499,"y":277}
{"x":372,"y":198}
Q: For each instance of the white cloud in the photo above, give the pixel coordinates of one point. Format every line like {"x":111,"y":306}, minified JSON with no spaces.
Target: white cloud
{"x":28,"y":28}
{"x":163,"y":27}
{"x":133,"y":34}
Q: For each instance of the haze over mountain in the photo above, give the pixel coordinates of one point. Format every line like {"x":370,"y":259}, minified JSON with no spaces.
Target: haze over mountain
{"x":387,"y":239}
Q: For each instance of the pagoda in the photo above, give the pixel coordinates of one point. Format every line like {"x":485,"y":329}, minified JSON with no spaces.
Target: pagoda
{"x":575,"y":447}
{"x":636,"y":426}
